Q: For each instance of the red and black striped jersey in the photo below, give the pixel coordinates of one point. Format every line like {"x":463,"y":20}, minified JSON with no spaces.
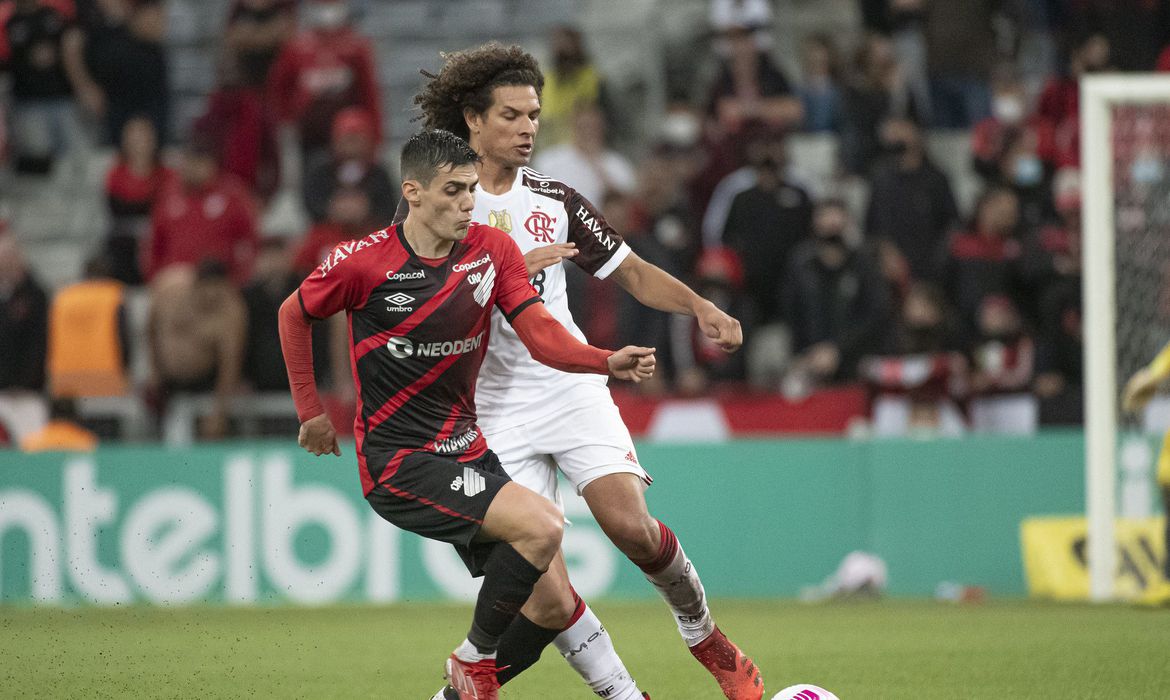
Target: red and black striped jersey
{"x":418,"y":332}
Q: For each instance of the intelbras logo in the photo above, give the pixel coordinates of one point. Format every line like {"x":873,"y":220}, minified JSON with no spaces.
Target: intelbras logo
{"x":403,"y":348}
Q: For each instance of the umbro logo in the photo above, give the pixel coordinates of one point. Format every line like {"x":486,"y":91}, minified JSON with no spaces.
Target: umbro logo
{"x":472,"y":482}
{"x":399,"y":302}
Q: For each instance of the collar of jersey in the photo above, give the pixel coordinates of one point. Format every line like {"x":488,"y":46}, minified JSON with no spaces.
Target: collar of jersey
{"x":429,"y":262}
{"x":515,"y":183}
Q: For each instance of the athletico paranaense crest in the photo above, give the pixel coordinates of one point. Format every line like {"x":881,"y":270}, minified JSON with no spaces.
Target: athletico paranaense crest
{"x":501,"y":220}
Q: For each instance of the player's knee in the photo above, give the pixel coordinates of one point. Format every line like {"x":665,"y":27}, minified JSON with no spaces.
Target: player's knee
{"x":545,"y":528}
{"x":637,"y":538}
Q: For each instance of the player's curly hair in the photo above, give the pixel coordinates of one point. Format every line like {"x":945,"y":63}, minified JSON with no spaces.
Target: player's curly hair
{"x":467,"y":79}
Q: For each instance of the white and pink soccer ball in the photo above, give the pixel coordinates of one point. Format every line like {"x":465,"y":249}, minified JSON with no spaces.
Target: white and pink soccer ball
{"x":804,"y":691}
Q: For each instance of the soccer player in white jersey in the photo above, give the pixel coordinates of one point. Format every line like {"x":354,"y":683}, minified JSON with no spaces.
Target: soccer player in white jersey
{"x":539,"y":420}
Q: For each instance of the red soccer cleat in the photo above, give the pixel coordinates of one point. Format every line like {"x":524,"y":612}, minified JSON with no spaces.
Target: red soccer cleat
{"x":737,"y":675}
{"x":473,"y":681}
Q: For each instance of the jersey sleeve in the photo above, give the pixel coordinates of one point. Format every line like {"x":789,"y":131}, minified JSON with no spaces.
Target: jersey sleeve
{"x":601,"y":248}
{"x":513,"y":291}
{"x":328,"y":290}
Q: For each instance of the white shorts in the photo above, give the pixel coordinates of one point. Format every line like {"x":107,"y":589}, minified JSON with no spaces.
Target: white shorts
{"x":586,"y":442}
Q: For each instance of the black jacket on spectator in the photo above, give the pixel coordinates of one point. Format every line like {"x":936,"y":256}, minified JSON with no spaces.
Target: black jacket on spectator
{"x":915,"y":210}
{"x":849,"y":307}
{"x":764,"y":225}
{"x":977,"y":267}
{"x":27,"y":35}
{"x":133,"y":74}
{"x":263,"y":359}
{"x":24,"y":329}
{"x":326,"y":176}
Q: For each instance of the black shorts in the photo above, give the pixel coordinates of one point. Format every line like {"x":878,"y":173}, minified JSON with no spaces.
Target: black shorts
{"x":442,"y":499}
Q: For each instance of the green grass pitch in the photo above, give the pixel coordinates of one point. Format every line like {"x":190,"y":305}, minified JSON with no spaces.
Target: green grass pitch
{"x":861,"y":651}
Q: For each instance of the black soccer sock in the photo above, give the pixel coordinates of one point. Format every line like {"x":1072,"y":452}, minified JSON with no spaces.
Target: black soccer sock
{"x":507,"y":582}
{"x":521,"y":646}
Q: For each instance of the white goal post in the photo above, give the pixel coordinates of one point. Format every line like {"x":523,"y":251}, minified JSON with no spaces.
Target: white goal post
{"x":1100,"y":94}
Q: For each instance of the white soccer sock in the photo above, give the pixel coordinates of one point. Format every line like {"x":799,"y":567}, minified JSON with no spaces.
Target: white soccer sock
{"x":589,"y":650}
{"x":469,"y":653}
{"x":680,"y":587}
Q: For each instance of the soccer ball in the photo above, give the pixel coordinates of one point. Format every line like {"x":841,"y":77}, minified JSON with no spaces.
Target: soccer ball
{"x":804,"y":691}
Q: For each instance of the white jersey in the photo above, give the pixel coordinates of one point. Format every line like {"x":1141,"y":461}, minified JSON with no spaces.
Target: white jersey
{"x":537,"y":211}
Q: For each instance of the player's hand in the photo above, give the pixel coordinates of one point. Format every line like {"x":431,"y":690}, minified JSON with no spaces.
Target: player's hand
{"x":1138,"y":391}
{"x":632,"y":363}
{"x":546,"y":256}
{"x":722,"y":329}
{"x":318,"y":436}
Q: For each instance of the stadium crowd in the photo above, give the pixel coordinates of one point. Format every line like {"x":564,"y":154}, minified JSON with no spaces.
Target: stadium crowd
{"x":952,"y":318}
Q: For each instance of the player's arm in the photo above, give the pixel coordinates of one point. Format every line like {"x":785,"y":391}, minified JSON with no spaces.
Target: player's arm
{"x":296,"y":344}
{"x":546,"y":339}
{"x":656,"y":288}
{"x":327,"y":291}
{"x":551,"y":344}
{"x":1141,"y":386}
{"x":602,"y":254}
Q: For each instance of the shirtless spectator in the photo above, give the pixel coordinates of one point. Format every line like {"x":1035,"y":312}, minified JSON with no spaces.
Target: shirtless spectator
{"x":197,"y":333}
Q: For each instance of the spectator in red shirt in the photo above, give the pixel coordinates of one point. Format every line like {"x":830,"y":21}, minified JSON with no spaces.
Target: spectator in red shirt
{"x":206,"y":215}
{"x":325,"y":69}
{"x":238,"y":125}
{"x":1059,"y":107}
{"x":133,"y":185}
{"x":352,"y":162}
{"x":349,"y":218}
{"x":983,"y":261}
{"x":1009,"y":116}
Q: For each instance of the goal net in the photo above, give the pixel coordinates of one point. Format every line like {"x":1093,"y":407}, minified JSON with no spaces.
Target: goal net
{"x":1125,"y":146}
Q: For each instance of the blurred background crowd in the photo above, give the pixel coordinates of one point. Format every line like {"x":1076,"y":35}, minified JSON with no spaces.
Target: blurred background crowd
{"x":886,"y":193}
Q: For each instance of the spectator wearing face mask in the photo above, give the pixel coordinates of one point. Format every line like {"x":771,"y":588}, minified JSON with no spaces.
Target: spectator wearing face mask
{"x":835,"y":300}
{"x":352,"y":162}
{"x":1022,"y":169}
{"x":1010,"y":116}
{"x":572,"y":81}
{"x":765,"y":223}
{"x":911,"y":203}
{"x":327,"y":67}
{"x":919,"y":381}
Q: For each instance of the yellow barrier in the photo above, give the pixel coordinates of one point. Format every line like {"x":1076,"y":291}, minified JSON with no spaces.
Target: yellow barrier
{"x":1054,"y":557}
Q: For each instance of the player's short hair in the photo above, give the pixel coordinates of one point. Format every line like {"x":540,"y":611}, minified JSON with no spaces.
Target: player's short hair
{"x":428,"y":151}
{"x":467,"y":79}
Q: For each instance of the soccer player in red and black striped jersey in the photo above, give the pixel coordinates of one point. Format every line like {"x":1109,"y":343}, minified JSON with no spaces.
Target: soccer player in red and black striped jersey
{"x":419,"y":298}
{"x":541,"y":421}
